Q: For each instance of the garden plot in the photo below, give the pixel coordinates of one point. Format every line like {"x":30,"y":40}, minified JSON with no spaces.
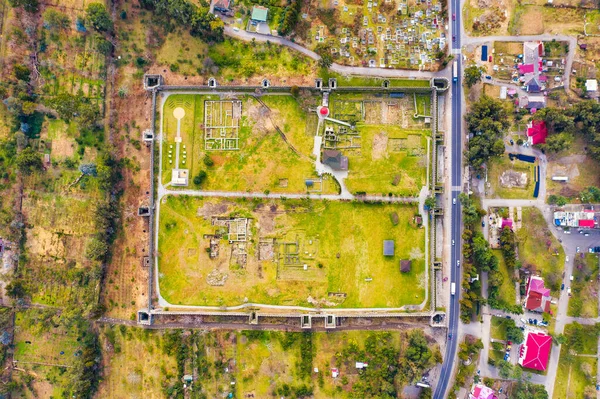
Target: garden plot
{"x":291,"y":252}
{"x":269,"y":143}
{"x":58,"y":231}
{"x":75,"y":65}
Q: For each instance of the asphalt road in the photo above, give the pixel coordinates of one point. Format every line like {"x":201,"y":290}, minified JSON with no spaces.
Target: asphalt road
{"x":456,"y":216}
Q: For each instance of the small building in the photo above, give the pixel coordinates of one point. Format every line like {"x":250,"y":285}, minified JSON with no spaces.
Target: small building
{"x":537,"y":132}
{"x":503,"y":92}
{"x":335,"y":160}
{"x":534,"y":353}
{"x":537,"y":297}
{"x":388,"y":247}
{"x":507,"y":223}
{"x":179,"y":177}
{"x":335,"y":373}
{"x":405,"y":265}
{"x":534,"y":102}
{"x":480,"y":391}
{"x":534,"y":85}
{"x":259,"y":14}
{"x":221,"y":5}
{"x":583,"y":46}
{"x":591,"y":85}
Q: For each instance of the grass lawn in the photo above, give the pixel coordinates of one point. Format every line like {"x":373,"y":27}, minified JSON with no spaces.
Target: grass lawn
{"x":539,"y":250}
{"x":502,"y":164}
{"x":36,"y":342}
{"x":136,"y":363}
{"x":263,"y":364}
{"x":584,"y":287}
{"x":571,"y":379}
{"x":498,"y":328}
{"x":389,"y":171}
{"x":264,"y":159}
{"x":59,"y":228}
{"x":238,"y":60}
{"x":350,"y":81}
{"x":507,"y":292}
{"x":341,"y":245}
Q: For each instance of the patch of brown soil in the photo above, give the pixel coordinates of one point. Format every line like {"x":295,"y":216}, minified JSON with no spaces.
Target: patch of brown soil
{"x":380,"y":141}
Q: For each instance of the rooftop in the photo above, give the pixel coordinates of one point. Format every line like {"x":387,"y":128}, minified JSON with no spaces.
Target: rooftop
{"x":388,"y":247}
{"x":537,"y":132}
{"x":259,"y":13}
{"x":335,"y":160}
{"x":535,"y":351}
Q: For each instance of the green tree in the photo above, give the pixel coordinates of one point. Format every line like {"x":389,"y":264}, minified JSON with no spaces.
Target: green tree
{"x":473,"y":75}
{"x":28,"y":5}
{"x":559,"y":200}
{"x":590,"y":194}
{"x":325,"y":61}
{"x":99,"y":17}
{"x":56,"y":20}
{"x":16,"y":289}
{"x":22,"y":72}
{"x":514,"y":333}
{"x":505,"y":369}
{"x":558,"y":142}
{"x":29,"y":161}
{"x":430,"y":202}
{"x":487,"y":122}
{"x":527,"y":390}
{"x":200,"y":178}
{"x":97,"y":249}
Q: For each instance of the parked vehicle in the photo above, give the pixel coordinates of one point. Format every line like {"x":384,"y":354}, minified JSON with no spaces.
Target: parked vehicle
{"x":569,"y":291}
{"x":562,"y":286}
{"x":577,"y":249}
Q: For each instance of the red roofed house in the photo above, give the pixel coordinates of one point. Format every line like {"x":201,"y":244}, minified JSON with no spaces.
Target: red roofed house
{"x":537,"y":132}
{"x":534,"y":353}
{"x":480,"y":391}
{"x":537,"y":297}
{"x":589,"y":223}
{"x":507,"y":223}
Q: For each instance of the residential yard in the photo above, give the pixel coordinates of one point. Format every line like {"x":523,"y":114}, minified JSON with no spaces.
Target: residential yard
{"x":497,"y":169}
{"x":577,"y":370}
{"x":507,"y":292}
{"x":137,"y":365}
{"x":573,"y":163}
{"x":539,"y":251}
{"x":260,"y":363}
{"x":264,"y":160}
{"x":538,"y":19}
{"x":59,"y":228}
{"x":45,"y":349}
{"x":584,"y":287}
{"x":345,"y":265}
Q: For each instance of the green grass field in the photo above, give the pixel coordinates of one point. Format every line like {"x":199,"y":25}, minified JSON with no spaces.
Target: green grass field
{"x":374,"y":172}
{"x":538,"y":248}
{"x":571,"y":378}
{"x":501,"y":164}
{"x":264,"y":159}
{"x":507,"y":292}
{"x":138,"y":367}
{"x":584,"y":287}
{"x":46,"y":350}
{"x":341,"y":244}
{"x":498,"y":328}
